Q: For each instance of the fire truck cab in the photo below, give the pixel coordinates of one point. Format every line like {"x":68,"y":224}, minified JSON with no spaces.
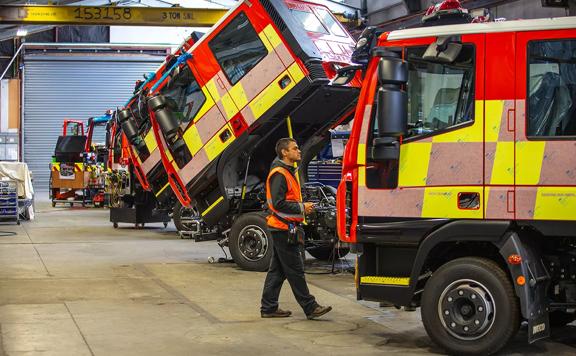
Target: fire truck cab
{"x":137,"y":128}
{"x":262,"y":73}
{"x":459,"y":178}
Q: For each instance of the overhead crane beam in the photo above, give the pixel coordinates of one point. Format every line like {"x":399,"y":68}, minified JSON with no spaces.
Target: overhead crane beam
{"x":109,"y":15}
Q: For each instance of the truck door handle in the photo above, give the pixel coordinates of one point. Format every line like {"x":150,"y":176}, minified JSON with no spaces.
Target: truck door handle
{"x":284,"y":82}
{"x":468,"y":201}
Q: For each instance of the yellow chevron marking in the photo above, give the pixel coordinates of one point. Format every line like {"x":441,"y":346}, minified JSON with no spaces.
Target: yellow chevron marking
{"x":361,"y":157}
{"x":296,"y":72}
{"x":229,"y":105}
{"x":266,"y":42}
{"x":270,"y":95}
{"x":212,"y":206}
{"x":192,"y":139}
{"x":393,"y":281}
{"x":211,"y":87}
{"x":472,"y":133}
{"x":414,"y":161}
{"x":362,"y":176}
{"x":555,"y":203}
{"x":150,"y":141}
{"x":529,"y":156}
{"x":486,"y":196}
{"x":494,"y":110}
{"x":239,"y":95}
{"x":503,"y":169}
{"x":272,"y":36}
{"x":215,"y":146}
{"x":442,"y":202}
{"x":169,"y":155}
{"x":208,"y":104}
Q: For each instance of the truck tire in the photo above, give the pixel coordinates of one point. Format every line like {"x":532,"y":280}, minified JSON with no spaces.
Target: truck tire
{"x":180,"y":214}
{"x":326,"y":253}
{"x":469,"y":307}
{"x":251,"y":242}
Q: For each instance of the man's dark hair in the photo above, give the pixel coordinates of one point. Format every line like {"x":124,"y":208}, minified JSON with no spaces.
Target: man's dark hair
{"x":283,"y":144}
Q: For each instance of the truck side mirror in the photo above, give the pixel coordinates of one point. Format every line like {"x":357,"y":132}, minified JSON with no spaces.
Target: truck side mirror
{"x":346,"y":74}
{"x":391,"y":108}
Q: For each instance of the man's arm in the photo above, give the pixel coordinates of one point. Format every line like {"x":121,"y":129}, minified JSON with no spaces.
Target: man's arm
{"x":278,"y":189}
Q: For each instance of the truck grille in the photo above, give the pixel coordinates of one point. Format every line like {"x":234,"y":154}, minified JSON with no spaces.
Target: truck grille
{"x":316,"y":70}
{"x":274,"y":15}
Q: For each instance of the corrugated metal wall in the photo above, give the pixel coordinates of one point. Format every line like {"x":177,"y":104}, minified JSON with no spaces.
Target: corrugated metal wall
{"x":71,"y":87}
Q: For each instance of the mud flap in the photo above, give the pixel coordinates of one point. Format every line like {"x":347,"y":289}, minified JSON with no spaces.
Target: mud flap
{"x":532,"y":294}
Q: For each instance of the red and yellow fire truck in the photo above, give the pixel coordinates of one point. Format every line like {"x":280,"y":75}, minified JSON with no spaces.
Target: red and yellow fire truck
{"x":119,"y":164}
{"x":136,"y":126}
{"x":459,"y":177}
{"x":220,"y":110}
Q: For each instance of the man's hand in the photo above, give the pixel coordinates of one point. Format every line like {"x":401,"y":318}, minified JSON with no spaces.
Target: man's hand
{"x":308,"y":208}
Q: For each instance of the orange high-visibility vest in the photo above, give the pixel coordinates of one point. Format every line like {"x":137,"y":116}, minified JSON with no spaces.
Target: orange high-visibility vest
{"x":277,"y":219}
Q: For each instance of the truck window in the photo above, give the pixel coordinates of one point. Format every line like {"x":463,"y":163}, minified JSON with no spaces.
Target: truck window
{"x":310,"y":22}
{"x":184,"y":95}
{"x":551,"y":88}
{"x":237,"y":48}
{"x":440,"y":95}
{"x":330,"y":22}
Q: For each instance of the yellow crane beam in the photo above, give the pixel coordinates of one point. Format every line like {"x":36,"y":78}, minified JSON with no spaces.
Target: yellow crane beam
{"x":109,"y":15}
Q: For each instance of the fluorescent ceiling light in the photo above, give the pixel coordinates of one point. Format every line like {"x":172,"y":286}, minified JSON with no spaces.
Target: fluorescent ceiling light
{"x":21,"y":32}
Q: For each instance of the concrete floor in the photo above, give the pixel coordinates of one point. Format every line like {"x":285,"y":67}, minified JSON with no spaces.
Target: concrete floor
{"x":70,"y":284}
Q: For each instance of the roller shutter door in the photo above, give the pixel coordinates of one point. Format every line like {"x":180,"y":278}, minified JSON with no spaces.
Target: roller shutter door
{"x":56,"y":88}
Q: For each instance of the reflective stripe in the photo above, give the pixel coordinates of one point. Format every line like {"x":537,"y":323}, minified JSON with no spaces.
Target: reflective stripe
{"x":284,"y":215}
{"x":394,"y":281}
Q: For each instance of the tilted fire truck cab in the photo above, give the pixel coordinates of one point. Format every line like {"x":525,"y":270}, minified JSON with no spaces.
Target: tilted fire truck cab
{"x":137,"y":128}
{"x":459,"y":179}
{"x":262,"y":73}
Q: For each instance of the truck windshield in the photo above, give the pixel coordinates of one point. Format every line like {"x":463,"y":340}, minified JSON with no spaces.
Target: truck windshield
{"x":440,"y":95}
{"x":310,"y":22}
{"x":330,"y":22}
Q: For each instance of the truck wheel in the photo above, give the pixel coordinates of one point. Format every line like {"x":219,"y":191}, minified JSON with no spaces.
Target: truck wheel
{"x":326,"y":253}
{"x":469,"y":307}
{"x":251,"y":243}
{"x":183,"y":216}
{"x":560,"y":318}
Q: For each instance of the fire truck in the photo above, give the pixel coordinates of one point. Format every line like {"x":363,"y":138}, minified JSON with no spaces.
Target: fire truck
{"x":119,"y":165}
{"x":459,"y":177}
{"x":77,"y":170}
{"x":263,"y":72}
{"x":135,"y":125}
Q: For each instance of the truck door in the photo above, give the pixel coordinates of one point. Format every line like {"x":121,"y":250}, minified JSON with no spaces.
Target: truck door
{"x":253,"y":63}
{"x":440,"y":170}
{"x":499,"y":114}
{"x":546,"y":125}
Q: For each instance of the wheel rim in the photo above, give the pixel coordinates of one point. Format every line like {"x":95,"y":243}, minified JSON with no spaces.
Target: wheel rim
{"x":253,"y":243}
{"x":466,"y":309}
{"x":188,"y":217}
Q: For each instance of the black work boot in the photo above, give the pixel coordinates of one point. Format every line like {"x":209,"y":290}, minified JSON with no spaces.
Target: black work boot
{"x":279,"y":313}
{"x":318,"y":312}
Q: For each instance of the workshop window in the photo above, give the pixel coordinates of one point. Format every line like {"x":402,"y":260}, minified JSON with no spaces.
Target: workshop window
{"x":552,"y":88}
{"x":238,"y":48}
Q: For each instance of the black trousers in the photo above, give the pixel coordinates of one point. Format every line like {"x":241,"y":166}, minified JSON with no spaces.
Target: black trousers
{"x":287,"y":264}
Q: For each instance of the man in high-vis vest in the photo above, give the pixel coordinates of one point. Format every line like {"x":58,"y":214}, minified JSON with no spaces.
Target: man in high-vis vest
{"x":287,"y":211}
